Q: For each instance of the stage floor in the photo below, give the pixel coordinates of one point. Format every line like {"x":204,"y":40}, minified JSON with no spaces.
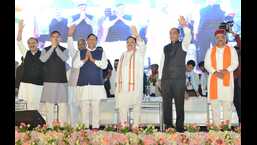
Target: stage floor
{"x":197,"y":110}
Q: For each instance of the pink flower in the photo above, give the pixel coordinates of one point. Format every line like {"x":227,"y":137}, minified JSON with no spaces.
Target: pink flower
{"x":82,"y":133}
{"x":56,"y":123}
{"x":226,"y":122}
{"x":22,"y":125}
{"x":219,"y":142}
{"x":26,"y":143}
{"x":238,"y":141}
{"x":173,"y":137}
{"x":62,"y":143}
{"x":119,"y":138}
{"x":194,"y":125}
{"x":45,"y":126}
{"x":84,"y":143}
{"x":162,"y":139}
{"x":17,"y":136}
{"x":149,"y":140}
{"x":26,"y":137}
{"x":106,"y":140}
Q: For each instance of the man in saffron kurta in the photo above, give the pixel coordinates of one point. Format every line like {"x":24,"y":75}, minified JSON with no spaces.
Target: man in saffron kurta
{"x":129,"y":78}
{"x":220,"y":62}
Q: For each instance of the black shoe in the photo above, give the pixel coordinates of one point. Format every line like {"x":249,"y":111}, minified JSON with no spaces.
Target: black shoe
{"x":180,"y":129}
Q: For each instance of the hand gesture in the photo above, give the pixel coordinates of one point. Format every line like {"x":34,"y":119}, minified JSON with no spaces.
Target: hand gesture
{"x":119,"y":17}
{"x":182,"y":21}
{"x":134,"y":30}
{"x":90,"y":57}
{"x":21,"y":25}
{"x":86,"y":58}
{"x":224,"y":71}
{"x":82,"y":16}
{"x":72,"y":29}
{"x":54,"y":45}
{"x":219,"y":74}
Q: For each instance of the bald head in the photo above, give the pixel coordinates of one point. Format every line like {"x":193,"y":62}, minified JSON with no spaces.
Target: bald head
{"x":174,"y":34}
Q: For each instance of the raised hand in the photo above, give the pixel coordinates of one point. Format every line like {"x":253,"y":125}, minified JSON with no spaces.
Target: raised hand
{"x":134,"y":30}
{"x":21,"y":25}
{"x":71,"y":30}
{"x":182,"y":21}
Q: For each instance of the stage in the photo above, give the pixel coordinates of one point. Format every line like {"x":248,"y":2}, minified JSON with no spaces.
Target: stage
{"x":197,"y":111}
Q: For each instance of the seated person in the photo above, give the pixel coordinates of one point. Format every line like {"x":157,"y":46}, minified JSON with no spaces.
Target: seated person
{"x":192,"y":80}
{"x":153,"y":79}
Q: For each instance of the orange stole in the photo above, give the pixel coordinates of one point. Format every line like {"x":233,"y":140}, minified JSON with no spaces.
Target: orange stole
{"x":131,"y":81}
{"x":226,"y":77}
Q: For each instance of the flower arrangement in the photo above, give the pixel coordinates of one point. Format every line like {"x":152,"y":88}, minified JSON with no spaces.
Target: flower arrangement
{"x":121,"y":135}
{"x":224,"y":126}
{"x":192,"y":128}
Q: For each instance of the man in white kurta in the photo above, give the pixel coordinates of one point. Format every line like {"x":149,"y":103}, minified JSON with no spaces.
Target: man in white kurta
{"x":222,"y":96}
{"x":129,"y":79}
{"x":30,"y":88}
{"x":90,"y":85}
{"x":55,"y":87}
{"x":73,"y":76}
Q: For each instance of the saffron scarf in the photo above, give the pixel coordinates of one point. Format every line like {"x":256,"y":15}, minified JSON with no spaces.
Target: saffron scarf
{"x":131,"y":73}
{"x":226,"y":77}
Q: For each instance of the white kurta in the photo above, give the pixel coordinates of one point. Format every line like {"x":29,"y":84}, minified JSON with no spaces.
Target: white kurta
{"x":88,"y":97}
{"x":225,"y":93}
{"x":72,"y":83}
{"x":74,"y":72}
{"x":31,"y":93}
{"x":91,"y":92}
{"x":126,"y":97}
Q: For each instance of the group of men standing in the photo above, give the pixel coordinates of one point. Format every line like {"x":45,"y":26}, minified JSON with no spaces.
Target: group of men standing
{"x":45,"y":85}
{"x":45,"y":82}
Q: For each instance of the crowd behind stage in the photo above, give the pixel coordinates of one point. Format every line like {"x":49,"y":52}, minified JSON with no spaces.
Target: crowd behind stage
{"x":44,"y":79}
